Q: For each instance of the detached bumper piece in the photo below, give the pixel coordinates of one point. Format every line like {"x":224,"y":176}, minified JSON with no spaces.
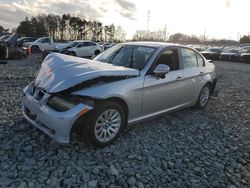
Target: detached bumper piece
{"x":55,"y":124}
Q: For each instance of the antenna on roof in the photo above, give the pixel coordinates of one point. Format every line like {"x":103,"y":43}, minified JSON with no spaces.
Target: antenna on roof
{"x":148,"y":20}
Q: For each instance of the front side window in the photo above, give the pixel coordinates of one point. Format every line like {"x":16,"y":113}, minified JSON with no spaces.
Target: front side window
{"x":169,"y":57}
{"x":131,"y":56}
{"x":73,"y":44}
{"x":188,"y":58}
{"x":46,"y":40}
{"x":82,"y":44}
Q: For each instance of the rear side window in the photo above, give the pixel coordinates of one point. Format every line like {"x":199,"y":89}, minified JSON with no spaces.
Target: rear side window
{"x":82,"y":44}
{"x":200,"y":60}
{"x":188,"y":58}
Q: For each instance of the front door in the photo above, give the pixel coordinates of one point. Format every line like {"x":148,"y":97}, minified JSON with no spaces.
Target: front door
{"x":161,"y":95}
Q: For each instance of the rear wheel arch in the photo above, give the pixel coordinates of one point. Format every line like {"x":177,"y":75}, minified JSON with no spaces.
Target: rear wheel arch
{"x":199,"y":102}
{"x":210,"y":85}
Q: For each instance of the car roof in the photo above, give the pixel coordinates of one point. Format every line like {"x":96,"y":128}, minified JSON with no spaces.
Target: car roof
{"x":153,"y":44}
{"x":81,"y":41}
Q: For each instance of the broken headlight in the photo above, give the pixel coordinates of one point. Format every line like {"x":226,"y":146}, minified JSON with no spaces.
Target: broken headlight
{"x":62,"y":104}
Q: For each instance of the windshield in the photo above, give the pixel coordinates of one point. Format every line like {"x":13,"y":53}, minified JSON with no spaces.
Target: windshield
{"x":4,"y":37}
{"x":39,"y":40}
{"x":131,"y":56}
{"x":72,"y":44}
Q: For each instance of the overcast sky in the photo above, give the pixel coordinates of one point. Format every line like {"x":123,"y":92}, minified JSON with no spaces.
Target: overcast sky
{"x":219,"y":18}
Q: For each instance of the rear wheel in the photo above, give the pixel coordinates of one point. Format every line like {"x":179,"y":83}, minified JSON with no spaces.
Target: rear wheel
{"x":105,"y":123}
{"x":97,"y":52}
{"x":204,"y":96}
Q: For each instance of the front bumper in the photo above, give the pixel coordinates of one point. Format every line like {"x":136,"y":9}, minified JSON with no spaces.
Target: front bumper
{"x":55,"y":124}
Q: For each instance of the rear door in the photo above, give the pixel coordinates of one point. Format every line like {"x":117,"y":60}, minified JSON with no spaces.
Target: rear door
{"x":193,"y":71}
{"x":168,"y":93}
{"x":91,"y":48}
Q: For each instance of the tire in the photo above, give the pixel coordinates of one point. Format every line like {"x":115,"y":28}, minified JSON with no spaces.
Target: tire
{"x":105,"y":123}
{"x":35,"y":49}
{"x":97,"y":52}
{"x":204,"y":97}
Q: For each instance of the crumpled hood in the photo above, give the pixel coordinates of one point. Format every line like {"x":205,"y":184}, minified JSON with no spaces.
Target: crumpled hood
{"x":59,"y":72}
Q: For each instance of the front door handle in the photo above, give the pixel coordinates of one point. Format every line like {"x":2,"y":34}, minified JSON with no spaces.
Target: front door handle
{"x":178,"y":78}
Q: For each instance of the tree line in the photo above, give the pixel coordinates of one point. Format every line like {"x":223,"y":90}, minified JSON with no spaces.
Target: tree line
{"x":69,"y":27}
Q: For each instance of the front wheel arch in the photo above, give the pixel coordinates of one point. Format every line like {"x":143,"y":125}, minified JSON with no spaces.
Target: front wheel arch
{"x":80,"y":122}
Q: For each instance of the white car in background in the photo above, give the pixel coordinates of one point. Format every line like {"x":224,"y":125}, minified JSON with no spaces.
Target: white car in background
{"x":43,"y":43}
{"x":64,"y":46}
{"x":85,"y":48}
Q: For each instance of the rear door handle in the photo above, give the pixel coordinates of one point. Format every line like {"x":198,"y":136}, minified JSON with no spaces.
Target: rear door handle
{"x":201,"y":73}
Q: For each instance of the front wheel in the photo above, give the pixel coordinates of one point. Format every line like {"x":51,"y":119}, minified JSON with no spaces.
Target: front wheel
{"x":204,"y":96}
{"x":72,"y":53}
{"x":34,"y":49}
{"x":105,"y":123}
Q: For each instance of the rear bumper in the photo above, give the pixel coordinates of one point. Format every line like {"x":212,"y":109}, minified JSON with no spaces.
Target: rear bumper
{"x":55,"y":124}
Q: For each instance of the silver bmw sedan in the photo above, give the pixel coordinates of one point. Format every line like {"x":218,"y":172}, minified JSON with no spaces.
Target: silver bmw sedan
{"x":124,"y":85}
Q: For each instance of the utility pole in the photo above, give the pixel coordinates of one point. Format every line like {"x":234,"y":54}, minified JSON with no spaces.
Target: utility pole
{"x":205,"y":30}
{"x":148,"y":20}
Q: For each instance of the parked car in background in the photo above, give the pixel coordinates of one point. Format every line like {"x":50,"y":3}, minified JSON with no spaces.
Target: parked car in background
{"x":3,"y":53}
{"x":125,"y":84}
{"x":23,"y":40}
{"x":212,"y":53}
{"x":43,"y":43}
{"x":230,"y":55}
{"x":245,"y":56}
{"x":65,"y":46}
{"x":4,"y":37}
{"x":10,"y":50}
{"x":108,"y":45}
{"x":85,"y":48}
{"x":199,"y":49}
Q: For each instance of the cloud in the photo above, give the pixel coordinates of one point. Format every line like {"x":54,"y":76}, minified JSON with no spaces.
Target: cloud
{"x":227,"y":3}
{"x":12,"y":12}
{"x":127,"y":9}
{"x":11,"y":15}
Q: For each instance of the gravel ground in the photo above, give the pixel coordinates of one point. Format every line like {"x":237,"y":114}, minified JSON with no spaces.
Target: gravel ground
{"x":188,"y":148}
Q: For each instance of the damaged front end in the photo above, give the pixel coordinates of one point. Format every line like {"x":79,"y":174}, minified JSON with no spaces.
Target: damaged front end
{"x":51,"y":102}
{"x":54,"y":114}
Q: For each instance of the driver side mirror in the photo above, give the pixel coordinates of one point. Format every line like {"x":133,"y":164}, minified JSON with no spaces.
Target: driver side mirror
{"x":161,"y":70}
